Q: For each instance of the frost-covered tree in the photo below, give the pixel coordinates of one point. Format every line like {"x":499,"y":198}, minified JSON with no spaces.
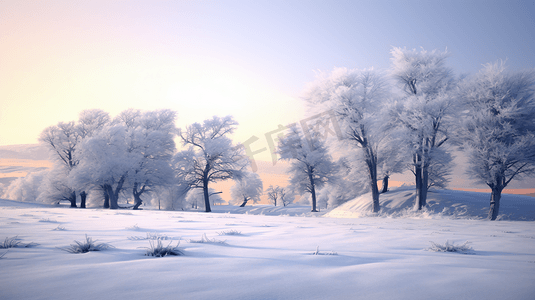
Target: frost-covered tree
{"x":133,"y":152}
{"x":62,"y":141}
{"x":498,"y":129}
{"x":285,"y":195}
{"x":104,"y":163}
{"x":210,"y":155}
{"x":248,"y":188}
{"x":150,"y":146}
{"x":311,"y":165}
{"x":422,"y":112}
{"x":357,"y":98}
{"x":26,"y":189}
{"x":273,"y":194}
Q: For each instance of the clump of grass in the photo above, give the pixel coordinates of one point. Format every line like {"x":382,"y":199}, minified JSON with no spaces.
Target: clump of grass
{"x":157,"y":249}
{"x":447,"y":247}
{"x":150,"y":236}
{"x":60,"y":228}
{"x":14,"y":242}
{"x":230,"y":232}
{"x":317,"y":252}
{"x":205,"y":239}
{"x":48,"y":220}
{"x":133,"y":227}
{"x":88,"y":245}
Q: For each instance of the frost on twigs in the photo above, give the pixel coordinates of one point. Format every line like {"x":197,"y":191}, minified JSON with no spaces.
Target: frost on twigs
{"x":88,"y":245}
{"x":230,"y":232}
{"x":205,"y":239}
{"x":317,"y":252}
{"x":14,"y":242}
{"x":157,"y":249}
{"x":447,"y":247}
{"x":150,"y":236}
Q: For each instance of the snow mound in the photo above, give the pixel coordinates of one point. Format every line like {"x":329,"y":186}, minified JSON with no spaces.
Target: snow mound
{"x":399,"y":203}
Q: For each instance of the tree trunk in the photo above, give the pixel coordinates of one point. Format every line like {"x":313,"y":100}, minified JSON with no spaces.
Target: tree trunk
{"x":83,"y":196}
{"x":137,"y":196}
{"x":72,"y":199}
{"x":206,"y":196}
{"x":425,"y":182}
{"x":244,"y":202}
{"x":137,"y":201}
{"x":418,"y":179}
{"x":385,"y":184}
{"x":495,"y":196}
{"x":106,"y":198}
{"x":312,"y":188}
{"x":372,"y":173}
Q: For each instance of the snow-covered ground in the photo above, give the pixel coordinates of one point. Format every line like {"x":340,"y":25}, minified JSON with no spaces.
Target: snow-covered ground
{"x":371,"y":257}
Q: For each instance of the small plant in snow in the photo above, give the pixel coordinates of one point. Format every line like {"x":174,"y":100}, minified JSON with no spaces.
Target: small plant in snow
{"x":88,"y":245}
{"x":447,"y":247}
{"x":205,"y":239}
{"x":230,"y":232}
{"x":133,"y":227}
{"x":157,"y":249}
{"x":59,"y":228}
{"x":150,"y":236}
{"x":317,"y":252}
{"x":2,"y":255}
{"x":48,"y":220}
{"x":14,"y":242}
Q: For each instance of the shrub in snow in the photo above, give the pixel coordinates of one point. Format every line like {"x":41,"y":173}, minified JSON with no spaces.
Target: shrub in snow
{"x":447,"y":247}
{"x":205,"y":239}
{"x":60,"y":228}
{"x":133,"y":227}
{"x":230,"y":232}
{"x":150,"y":236}
{"x":317,"y":252}
{"x":48,"y":220}
{"x":14,"y":242}
{"x":88,"y":245}
{"x":157,"y":249}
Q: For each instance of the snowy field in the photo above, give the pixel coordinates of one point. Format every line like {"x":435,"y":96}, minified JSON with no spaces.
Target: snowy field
{"x":263,"y":252}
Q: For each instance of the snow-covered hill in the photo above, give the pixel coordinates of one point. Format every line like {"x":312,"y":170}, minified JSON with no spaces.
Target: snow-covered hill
{"x":399,"y":202}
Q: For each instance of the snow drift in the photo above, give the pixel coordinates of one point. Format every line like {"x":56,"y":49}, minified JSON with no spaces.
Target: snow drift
{"x":399,"y":202}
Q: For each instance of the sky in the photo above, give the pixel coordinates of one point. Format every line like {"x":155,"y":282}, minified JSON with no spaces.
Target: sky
{"x":250,"y":59}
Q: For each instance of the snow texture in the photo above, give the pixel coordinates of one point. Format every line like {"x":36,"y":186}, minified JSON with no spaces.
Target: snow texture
{"x":381,"y":257}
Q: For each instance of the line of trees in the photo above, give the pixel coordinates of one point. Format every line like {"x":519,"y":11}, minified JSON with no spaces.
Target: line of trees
{"x":409,"y":118}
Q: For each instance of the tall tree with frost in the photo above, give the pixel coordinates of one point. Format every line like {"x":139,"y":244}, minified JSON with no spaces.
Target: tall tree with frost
{"x":62,"y":141}
{"x":356,"y":97}
{"x":248,"y":188}
{"x":426,"y":84}
{"x":210,"y":155}
{"x":150,"y":145}
{"x":311,"y":166}
{"x":498,"y":128}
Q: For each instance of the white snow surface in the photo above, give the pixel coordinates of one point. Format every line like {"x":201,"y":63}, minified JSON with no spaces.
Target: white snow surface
{"x":370,"y":257}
